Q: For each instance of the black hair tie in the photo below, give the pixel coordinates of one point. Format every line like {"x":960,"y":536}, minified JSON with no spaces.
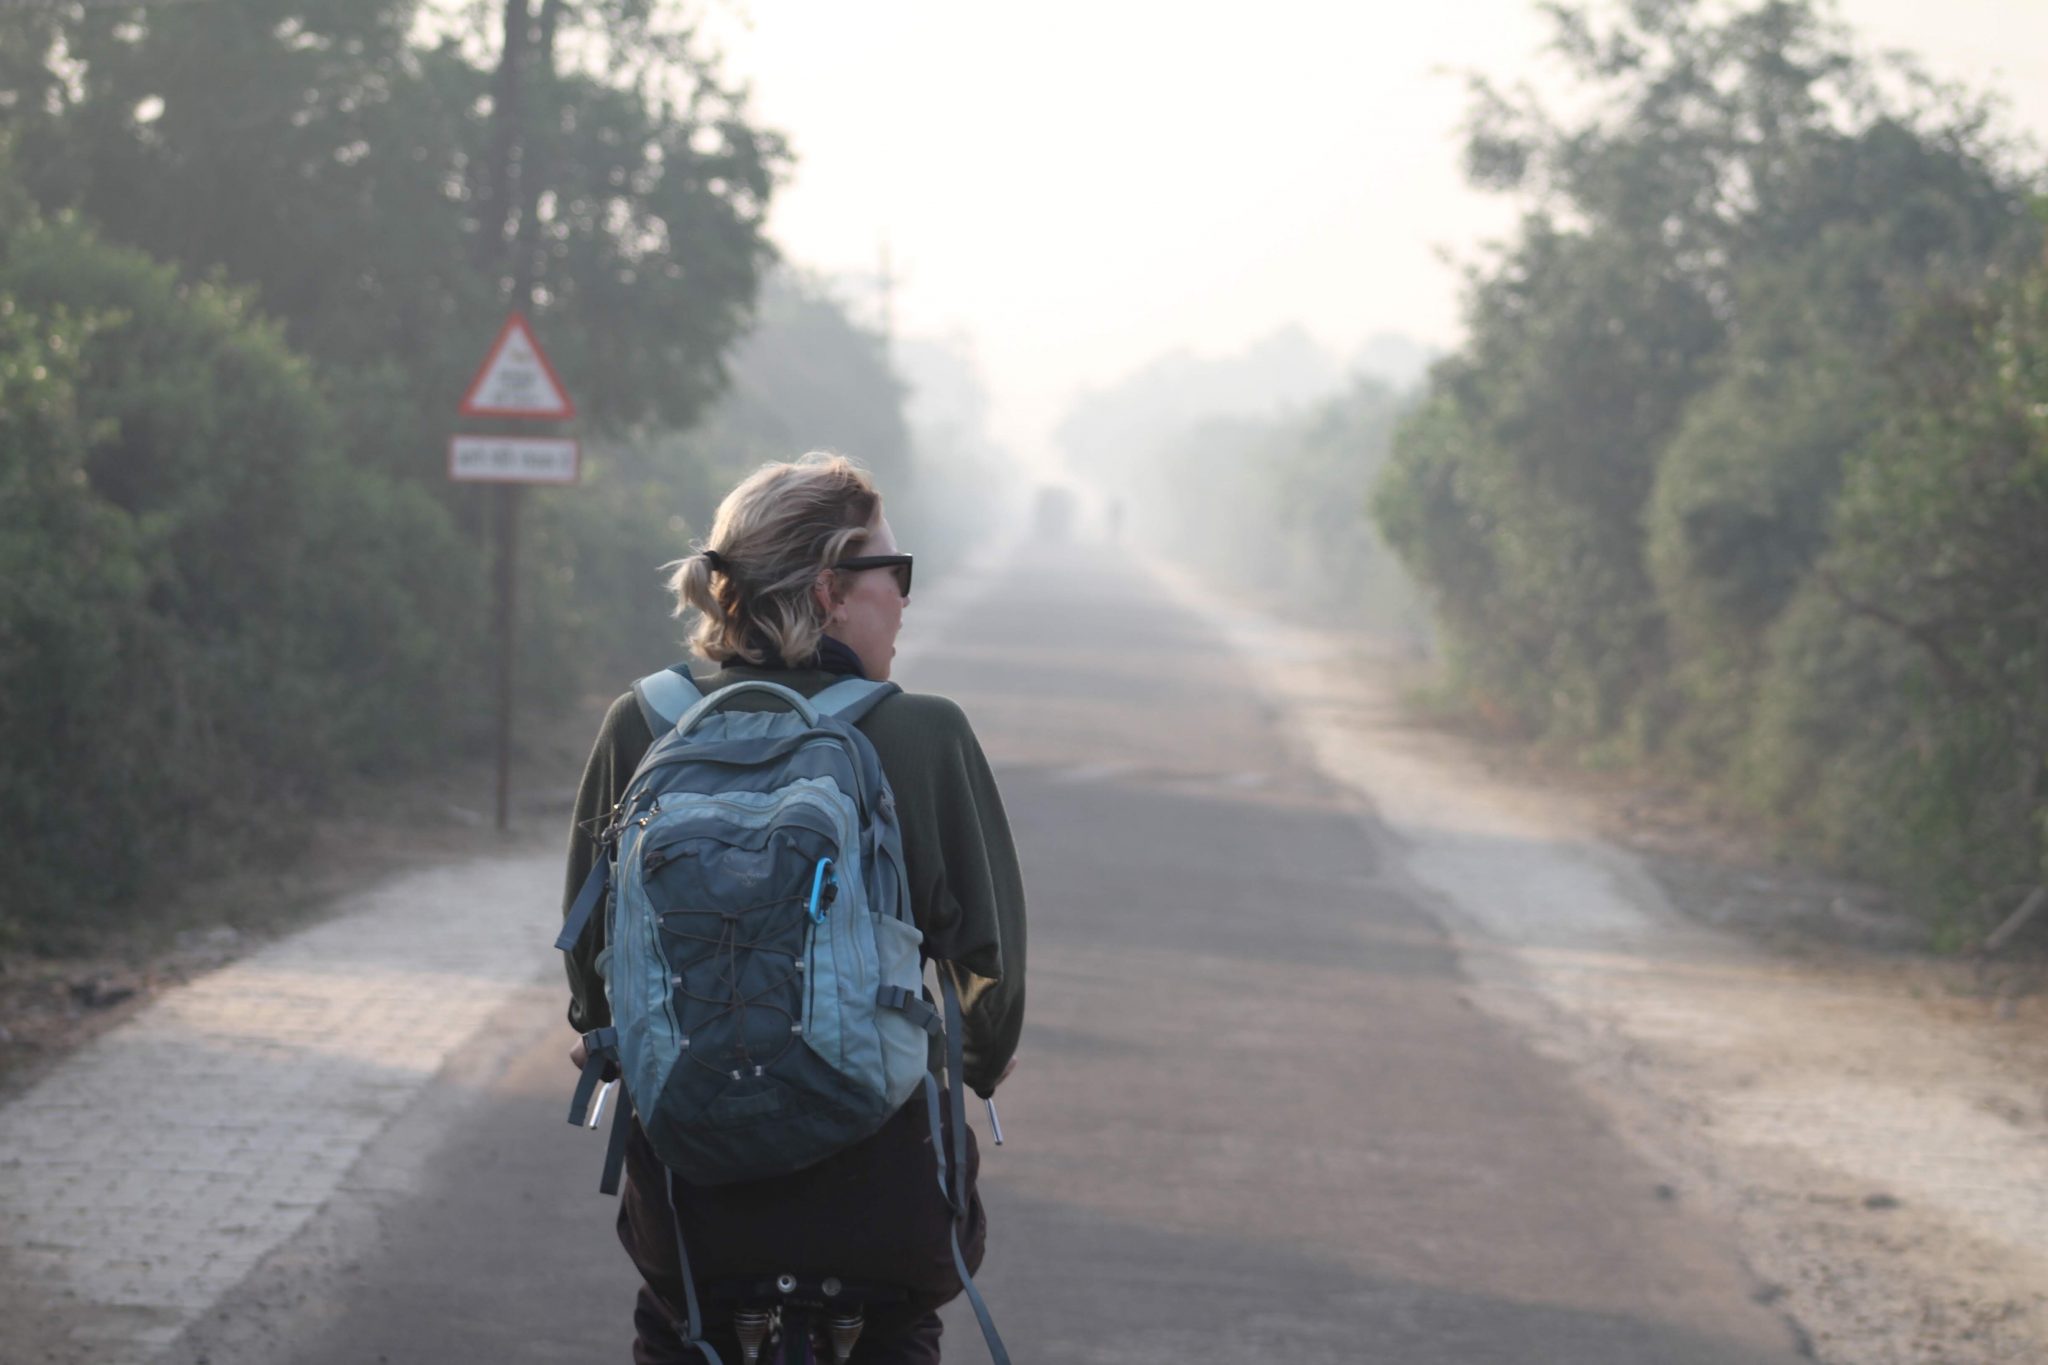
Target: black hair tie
{"x":716,"y":562}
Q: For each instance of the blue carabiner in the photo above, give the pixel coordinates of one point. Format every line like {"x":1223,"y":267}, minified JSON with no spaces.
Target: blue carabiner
{"x":818,"y":889}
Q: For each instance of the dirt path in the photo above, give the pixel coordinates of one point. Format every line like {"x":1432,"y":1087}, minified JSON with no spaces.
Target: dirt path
{"x":1875,"y":1123}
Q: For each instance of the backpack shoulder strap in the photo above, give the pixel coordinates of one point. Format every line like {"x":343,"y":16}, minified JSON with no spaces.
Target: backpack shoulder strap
{"x":852,"y":698}
{"x":665,"y":696}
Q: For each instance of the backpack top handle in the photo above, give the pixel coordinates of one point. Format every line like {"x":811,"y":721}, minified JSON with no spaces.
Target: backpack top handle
{"x":724,"y":696}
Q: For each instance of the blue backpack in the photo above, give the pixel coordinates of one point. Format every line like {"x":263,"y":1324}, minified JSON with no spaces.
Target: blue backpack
{"x":765,"y":975}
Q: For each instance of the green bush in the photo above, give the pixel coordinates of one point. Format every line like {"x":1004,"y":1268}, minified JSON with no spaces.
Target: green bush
{"x":208,"y":613}
{"x":1906,"y":699}
{"x":1741,"y":504}
{"x":1538,"y":448}
{"x":82,"y":701}
{"x":1740,"y":471}
{"x":357,"y":168}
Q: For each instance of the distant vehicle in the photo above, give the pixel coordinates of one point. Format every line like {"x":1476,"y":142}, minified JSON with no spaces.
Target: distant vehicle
{"x":1052,"y":517}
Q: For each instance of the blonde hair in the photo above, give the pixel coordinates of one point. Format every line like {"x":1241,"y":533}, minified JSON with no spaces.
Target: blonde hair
{"x":750,"y":580}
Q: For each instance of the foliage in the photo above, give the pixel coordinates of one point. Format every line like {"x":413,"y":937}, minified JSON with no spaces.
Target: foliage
{"x":806,"y":377}
{"x":1316,"y":472}
{"x":1746,"y":485}
{"x":1255,"y":467}
{"x":1112,"y":436}
{"x":1583,"y":353}
{"x":357,"y":178}
{"x":191,"y":573}
{"x":1277,"y":502}
{"x":71,"y":584}
{"x":387,"y":177}
{"x":1679,"y":488}
{"x":1907,"y":691}
{"x":244,"y":440}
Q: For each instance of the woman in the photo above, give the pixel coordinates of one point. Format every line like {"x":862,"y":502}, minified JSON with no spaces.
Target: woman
{"x":801,"y":583}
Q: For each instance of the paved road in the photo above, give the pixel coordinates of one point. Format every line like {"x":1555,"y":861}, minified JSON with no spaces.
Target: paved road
{"x":1257,"y":1117}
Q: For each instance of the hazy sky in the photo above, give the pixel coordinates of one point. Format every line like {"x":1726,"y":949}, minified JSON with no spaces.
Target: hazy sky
{"x":1079,"y":187}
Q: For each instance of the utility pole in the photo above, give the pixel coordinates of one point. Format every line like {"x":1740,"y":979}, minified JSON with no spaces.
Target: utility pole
{"x":529,"y":46}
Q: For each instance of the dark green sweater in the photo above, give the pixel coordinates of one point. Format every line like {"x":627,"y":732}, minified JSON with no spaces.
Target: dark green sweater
{"x":965,"y":887}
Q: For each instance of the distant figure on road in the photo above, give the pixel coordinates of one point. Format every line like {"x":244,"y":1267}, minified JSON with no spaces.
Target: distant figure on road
{"x":801,"y":584}
{"x":1052,"y":515}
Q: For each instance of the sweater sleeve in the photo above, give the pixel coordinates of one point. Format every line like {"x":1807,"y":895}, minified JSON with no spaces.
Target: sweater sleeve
{"x":621,"y":740}
{"x":967,"y":889}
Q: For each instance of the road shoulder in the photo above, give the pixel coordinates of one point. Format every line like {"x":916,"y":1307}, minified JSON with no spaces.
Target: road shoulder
{"x":1870,"y":1121}
{"x":163,"y":1160}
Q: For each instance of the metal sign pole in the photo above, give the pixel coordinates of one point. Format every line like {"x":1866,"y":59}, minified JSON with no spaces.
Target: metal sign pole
{"x":508,"y":578}
{"x":516,"y":382}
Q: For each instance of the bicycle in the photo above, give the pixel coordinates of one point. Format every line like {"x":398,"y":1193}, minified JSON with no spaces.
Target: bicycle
{"x":790,"y":1320}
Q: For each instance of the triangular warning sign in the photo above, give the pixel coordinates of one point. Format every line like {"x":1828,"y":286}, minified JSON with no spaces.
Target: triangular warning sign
{"x":516,"y":379}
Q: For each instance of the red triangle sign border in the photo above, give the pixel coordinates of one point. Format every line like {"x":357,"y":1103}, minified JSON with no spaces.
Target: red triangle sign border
{"x":472,"y":404}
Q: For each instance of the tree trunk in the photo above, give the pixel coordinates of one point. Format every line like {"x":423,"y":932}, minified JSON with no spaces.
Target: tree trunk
{"x":532,"y":169}
{"x":501,"y":172}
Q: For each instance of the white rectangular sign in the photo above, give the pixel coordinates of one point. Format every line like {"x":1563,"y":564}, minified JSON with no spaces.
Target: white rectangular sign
{"x":513,"y":459}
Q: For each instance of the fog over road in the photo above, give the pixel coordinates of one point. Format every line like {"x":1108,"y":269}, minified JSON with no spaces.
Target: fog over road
{"x":1258,"y":1115}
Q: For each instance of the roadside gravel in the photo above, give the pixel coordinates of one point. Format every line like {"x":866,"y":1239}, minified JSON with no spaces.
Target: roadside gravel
{"x":1872,"y":1119}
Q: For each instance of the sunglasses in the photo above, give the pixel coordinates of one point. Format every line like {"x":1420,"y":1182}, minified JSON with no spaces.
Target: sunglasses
{"x":899,"y":563}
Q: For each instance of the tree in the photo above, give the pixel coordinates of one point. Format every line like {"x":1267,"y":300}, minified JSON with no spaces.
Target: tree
{"x":808,"y":377}
{"x":385,"y":179}
{"x":1904,"y":698}
{"x":191,"y":573}
{"x":387,"y":198}
{"x":1746,"y":489}
{"x":1741,"y":465}
{"x":1663,"y":370}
